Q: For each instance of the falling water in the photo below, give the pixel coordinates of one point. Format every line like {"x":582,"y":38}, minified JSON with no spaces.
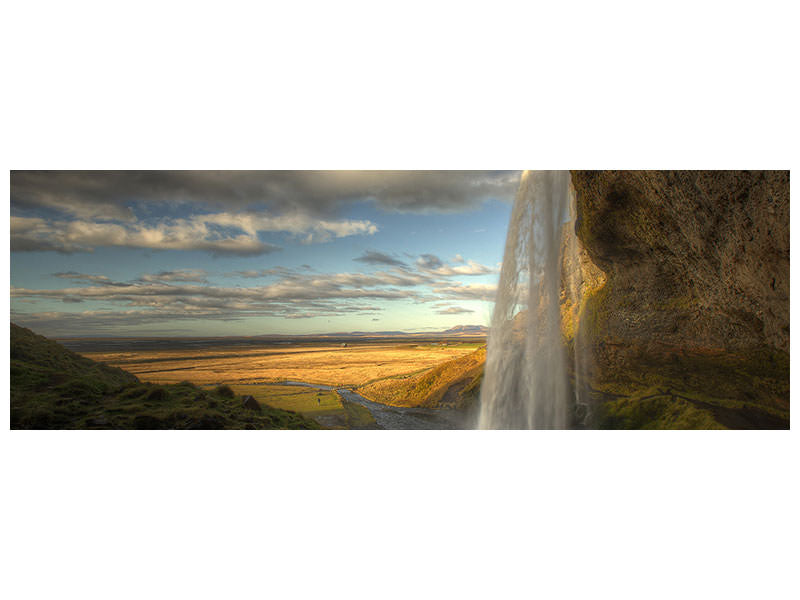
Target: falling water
{"x":526,"y":383}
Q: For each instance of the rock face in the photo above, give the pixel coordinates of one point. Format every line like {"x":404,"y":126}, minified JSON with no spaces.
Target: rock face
{"x":696,"y":264}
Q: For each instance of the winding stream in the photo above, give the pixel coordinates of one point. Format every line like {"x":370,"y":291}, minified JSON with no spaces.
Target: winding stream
{"x":395,"y":417}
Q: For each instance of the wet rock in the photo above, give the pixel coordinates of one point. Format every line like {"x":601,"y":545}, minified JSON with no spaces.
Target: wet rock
{"x":694,"y":293}
{"x":695,"y":260}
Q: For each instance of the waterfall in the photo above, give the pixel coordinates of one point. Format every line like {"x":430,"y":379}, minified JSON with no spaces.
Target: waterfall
{"x":526,"y":382}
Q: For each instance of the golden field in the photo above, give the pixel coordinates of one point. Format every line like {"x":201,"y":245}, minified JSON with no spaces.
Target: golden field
{"x":453,"y":384}
{"x":354,"y":365}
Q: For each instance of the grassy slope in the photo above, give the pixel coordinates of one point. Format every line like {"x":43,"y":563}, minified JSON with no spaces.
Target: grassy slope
{"x":327,"y":407}
{"x":454,"y":384}
{"x":54,"y":388}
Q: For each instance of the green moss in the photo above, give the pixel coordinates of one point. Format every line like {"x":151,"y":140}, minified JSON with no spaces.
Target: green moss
{"x":696,"y":391}
{"x":593,"y":314}
{"x":660,"y":412}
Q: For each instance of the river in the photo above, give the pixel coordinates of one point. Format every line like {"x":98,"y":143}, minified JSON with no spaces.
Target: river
{"x":396,"y":417}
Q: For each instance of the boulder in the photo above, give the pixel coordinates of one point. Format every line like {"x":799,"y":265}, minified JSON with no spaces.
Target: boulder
{"x":251,"y":403}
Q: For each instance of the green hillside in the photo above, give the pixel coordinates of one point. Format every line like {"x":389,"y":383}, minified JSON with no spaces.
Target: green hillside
{"x":54,"y":388}
{"x":453,"y":384}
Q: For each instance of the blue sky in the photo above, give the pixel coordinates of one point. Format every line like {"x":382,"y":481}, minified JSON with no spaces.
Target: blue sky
{"x":251,"y":253}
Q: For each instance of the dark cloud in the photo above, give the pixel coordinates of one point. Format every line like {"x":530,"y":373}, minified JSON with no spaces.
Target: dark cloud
{"x":196,"y":275}
{"x":224,"y":212}
{"x":373,"y":257}
{"x":110,"y":195}
{"x":429,"y":262}
{"x":454,"y":310}
{"x":256,"y":273}
{"x":116,"y":321}
{"x":83,"y":277}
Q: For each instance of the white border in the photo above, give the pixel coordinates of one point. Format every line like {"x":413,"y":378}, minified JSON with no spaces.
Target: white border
{"x":399,"y":514}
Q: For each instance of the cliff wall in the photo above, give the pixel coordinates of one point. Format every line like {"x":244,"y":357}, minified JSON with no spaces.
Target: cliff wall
{"x":694,"y":300}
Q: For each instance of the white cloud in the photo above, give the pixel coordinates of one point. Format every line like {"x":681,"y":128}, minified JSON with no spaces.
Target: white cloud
{"x":314,"y":230}
{"x":485,"y":292}
{"x":198,"y":232}
{"x":433,"y":265}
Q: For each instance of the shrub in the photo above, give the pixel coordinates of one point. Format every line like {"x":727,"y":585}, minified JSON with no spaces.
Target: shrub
{"x":225,"y":391}
{"x":158,"y":395}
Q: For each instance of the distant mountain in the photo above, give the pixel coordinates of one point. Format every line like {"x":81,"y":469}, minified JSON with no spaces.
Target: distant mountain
{"x":467,"y":330}
{"x":458,"y":331}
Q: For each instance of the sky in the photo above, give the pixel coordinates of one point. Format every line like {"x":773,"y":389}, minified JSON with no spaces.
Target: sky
{"x":215,"y":253}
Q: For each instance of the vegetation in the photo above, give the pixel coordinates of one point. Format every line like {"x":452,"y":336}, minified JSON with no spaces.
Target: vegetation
{"x":324,"y":406}
{"x":697,"y":391}
{"x":357,"y":416}
{"x":453,"y":384}
{"x":53,"y":388}
{"x":353,"y":365}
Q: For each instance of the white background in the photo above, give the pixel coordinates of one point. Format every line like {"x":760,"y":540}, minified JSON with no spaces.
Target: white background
{"x":434,"y":85}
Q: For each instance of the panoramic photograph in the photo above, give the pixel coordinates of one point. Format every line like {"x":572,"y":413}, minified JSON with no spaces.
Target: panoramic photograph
{"x":399,"y":300}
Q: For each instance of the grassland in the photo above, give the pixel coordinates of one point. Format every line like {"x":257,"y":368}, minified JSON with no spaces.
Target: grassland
{"x":354,"y":365}
{"x":452,"y":384}
{"x":53,"y":388}
{"x":326,"y":407}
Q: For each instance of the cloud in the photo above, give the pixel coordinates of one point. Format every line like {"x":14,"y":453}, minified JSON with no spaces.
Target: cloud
{"x":161,"y":296}
{"x":219,"y":233}
{"x":82,"y":277}
{"x":196,"y":275}
{"x":454,"y":310}
{"x":485,"y":292}
{"x":110,"y":195}
{"x":374,"y":257}
{"x":313,"y":230}
{"x":291,"y":289}
{"x":429,"y":262}
{"x":291,"y":293}
{"x":33,"y":233}
{"x":433,"y":265}
{"x":257,"y":273}
{"x":154,"y":298}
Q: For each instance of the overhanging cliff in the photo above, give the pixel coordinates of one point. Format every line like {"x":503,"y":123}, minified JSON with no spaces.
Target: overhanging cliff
{"x":696,"y":293}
